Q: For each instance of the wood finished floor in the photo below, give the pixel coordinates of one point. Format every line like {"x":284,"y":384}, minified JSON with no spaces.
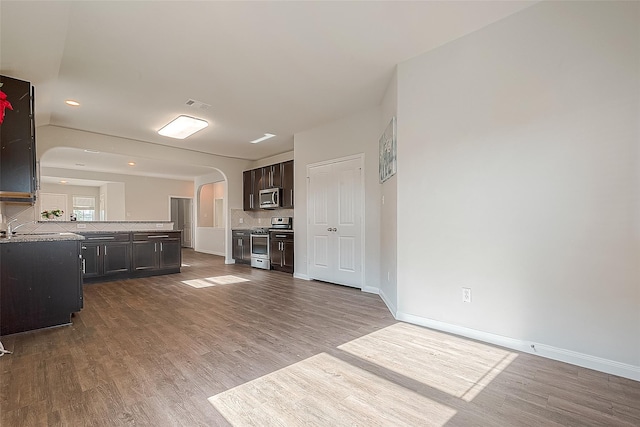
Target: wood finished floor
{"x":275,"y":350}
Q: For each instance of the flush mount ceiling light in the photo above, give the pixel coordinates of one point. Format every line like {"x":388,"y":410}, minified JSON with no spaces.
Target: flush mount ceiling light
{"x":72,"y":102}
{"x":183,"y":126}
{"x":63,"y":182}
{"x":264,"y":138}
{"x":131,"y":163}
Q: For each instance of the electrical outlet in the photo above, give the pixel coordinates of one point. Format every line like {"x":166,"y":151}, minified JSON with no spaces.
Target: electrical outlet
{"x":241,"y":220}
{"x":466,"y":294}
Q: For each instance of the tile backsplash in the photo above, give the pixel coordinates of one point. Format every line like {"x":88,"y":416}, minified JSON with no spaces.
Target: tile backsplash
{"x":27,"y":215}
{"x":252,"y":219}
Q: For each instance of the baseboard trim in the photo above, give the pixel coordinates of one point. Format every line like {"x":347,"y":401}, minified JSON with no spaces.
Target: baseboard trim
{"x":563,"y":355}
{"x":211,"y":253}
{"x":301,"y":276}
{"x":370,"y":290}
{"x":391,"y":307}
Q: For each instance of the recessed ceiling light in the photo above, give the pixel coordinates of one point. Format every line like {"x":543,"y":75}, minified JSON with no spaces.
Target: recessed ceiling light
{"x":131,"y":163}
{"x":265,"y":137}
{"x":72,"y":102}
{"x":182,"y":127}
{"x":63,"y":182}
{"x":92,"y":151}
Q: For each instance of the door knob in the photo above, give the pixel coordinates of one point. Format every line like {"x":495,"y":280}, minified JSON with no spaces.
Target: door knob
{"x":329,"y":229}
{"x":334,"y":229}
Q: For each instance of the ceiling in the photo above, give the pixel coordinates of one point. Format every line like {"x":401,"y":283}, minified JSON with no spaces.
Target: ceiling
{"x":260,"y":67}
{"x":88,"y":162}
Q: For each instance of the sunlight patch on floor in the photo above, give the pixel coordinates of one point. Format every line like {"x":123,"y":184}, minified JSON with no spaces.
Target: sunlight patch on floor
{"x":214,"y":281}
{"x":324,"y":390}
{"x":425,"y":355}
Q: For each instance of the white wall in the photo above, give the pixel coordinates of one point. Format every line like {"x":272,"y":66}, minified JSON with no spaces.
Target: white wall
{"x":518,"y":177}
{"x":213,"y":240}
{"x":70,"y":191}
{"x":135,"y":198}
{"x":114,"y":201}
{"x":388,"y":211}
{"x":353,"y":135}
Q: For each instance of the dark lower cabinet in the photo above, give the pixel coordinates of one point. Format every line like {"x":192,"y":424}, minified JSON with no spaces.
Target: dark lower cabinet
{"x":281,"y":251}
{"x":111,"y":256}
{"x":170,"y":254}
{"x":105,"y":256}
{"x":145,"y":256}
{"x":241,"y":247}
{"x":40,"y":286}
{"x":156,"y":253}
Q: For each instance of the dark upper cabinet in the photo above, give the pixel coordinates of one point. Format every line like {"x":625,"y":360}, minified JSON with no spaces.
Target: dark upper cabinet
{"x":262,"y":179}
{"x":275,"y":175}
{"x":287,"y":184}
{"x":17,"y":143}
{"x":247,"y":190}
{"x":279,"y":175}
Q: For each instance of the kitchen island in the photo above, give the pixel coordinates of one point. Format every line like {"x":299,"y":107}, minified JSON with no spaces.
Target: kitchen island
{"x":40,"y":281}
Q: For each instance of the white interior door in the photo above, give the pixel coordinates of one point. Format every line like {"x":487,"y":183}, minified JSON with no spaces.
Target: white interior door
{"x":335,"y":222}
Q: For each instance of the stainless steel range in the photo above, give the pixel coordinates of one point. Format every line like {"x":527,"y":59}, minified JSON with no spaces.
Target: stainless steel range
{"x":260,"y":248}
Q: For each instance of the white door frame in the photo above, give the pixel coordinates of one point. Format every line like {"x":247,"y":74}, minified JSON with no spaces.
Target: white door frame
{"x":359,"y":157}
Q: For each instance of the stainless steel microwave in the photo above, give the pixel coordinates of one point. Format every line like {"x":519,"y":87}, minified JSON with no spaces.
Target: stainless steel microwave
{"x":270,"y":198}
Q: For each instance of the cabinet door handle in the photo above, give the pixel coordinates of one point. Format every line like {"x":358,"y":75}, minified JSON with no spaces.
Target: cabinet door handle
{"x":239,"y":242}
{"x":155,"y":247}
{"x":161,"y":247}
{"x":281,"y":235}
{"x":251,"y":201}
{"x":84,"y":266}
{"x":101,"y":238}
{"x":98,"y":250}
{"x":158,"y":237}
{"x":105,"y":250}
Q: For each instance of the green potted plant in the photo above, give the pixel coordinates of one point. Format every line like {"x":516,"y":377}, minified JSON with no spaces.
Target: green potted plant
{"x":52,"y":214}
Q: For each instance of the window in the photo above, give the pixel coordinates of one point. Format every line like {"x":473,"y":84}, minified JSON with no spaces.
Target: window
{"x":84,"y":208}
